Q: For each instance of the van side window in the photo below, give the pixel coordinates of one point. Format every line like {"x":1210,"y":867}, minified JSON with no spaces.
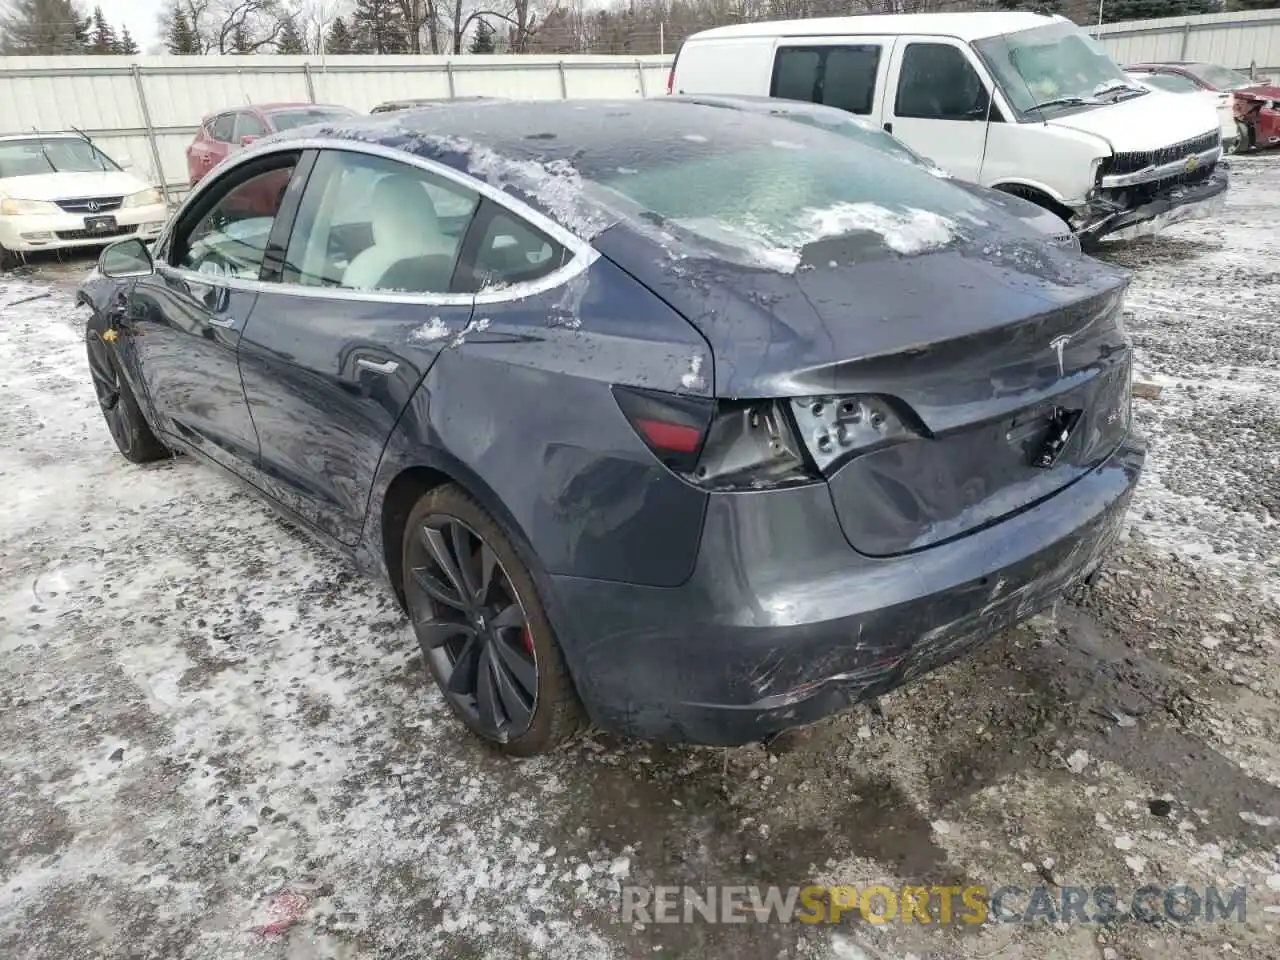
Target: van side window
{"x":843,"y":76}
{"x":937,"y":82}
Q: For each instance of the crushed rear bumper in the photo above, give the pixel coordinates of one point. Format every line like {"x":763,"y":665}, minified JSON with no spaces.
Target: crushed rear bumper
{"x":782,"y":624}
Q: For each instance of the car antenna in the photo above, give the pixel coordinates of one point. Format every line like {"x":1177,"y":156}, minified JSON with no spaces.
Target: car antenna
{"x":89,"y":140}
{"x":43,"y":152}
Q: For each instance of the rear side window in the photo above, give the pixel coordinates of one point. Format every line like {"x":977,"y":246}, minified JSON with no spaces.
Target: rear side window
{"x":221,"y":128}
{"x":937,"y":82}
{"x":248,"y":125}
{"x":508,"y":250}
{"x":836,"y":76}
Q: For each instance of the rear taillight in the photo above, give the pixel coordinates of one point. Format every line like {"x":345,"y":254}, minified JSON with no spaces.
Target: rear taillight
{"x":671,"y":81}
{"x":672,"y":426}
{"x":718,"y":445}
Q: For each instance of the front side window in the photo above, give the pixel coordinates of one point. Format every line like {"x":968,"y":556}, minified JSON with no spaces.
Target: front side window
{"x":369,"y":223}
{"x":1052,"y":69}
{"x":230,"y":238}
{"x":843,"y":76}
{"x":1220,"y":78}
{"x":38,"y":155}
{"x":937,"y":82}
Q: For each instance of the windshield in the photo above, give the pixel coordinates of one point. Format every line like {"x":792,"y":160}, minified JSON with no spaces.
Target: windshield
{"x":302,"y":116}
{"x":34,"y":156}
{"x":766,"y":190}
{"x":1168,"y":81}
{"x":1219,"y":77}
{"x":1052,"y":69}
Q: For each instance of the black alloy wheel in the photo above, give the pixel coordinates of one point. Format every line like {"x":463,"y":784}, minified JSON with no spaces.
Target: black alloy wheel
{"x":128,"y":427}
{"x":481,"y":627}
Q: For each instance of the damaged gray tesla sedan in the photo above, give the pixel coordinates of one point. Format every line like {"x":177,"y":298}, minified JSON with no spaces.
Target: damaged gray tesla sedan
{"x":689,"y":422}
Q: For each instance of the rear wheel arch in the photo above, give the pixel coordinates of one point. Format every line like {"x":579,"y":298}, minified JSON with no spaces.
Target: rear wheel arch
{"x":1037,"y":196}
{"x":411,"y":483}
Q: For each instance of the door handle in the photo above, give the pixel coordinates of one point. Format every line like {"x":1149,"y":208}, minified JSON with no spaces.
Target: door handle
{"x":226,"y":322}
{"x":888,"y":126}
{"x":386,"y":367}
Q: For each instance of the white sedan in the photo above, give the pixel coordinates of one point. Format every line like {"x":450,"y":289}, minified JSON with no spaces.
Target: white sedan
{"x":1223,"y":103}
{"x":59,"y":191}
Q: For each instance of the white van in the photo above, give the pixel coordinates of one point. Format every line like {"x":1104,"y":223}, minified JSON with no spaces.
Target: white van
{"x":1018,"y":101}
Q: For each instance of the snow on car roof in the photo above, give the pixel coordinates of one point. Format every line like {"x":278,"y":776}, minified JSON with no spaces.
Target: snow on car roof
{"x":963,"y":26}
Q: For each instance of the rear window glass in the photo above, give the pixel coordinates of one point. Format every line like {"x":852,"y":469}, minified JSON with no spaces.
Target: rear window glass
{"x":766,"y":188}
{"x":301,"y":117}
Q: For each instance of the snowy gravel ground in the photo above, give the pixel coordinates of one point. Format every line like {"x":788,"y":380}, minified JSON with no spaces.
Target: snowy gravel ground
{"x":209,"y":724}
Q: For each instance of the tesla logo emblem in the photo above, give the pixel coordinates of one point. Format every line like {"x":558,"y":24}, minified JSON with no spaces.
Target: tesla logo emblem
{"x":93,"y":206}
{"x":1057,"y":345}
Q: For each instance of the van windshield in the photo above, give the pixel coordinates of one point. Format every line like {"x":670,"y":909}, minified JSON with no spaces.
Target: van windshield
{"x":1054,"y":69}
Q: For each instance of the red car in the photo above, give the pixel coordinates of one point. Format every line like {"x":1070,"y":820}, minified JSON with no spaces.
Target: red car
{"x":223,"y":133}
{"x":1257,"y":101}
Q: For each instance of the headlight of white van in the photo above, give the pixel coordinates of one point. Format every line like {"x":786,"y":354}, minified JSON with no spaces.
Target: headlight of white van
{"x":10,"y":207}
{"x":144,"y":198}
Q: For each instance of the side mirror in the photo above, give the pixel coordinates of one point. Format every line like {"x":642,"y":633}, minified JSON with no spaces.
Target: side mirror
{"x":126,"y":258}
{"x":124,"y":162}
{"x":247,"y":139}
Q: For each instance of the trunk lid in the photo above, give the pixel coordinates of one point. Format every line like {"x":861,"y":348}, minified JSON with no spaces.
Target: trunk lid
{"x":979,"y":350}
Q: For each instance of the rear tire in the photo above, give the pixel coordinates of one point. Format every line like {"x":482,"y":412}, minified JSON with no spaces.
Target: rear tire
{"x":8,"y":259}
{"x":128,"y":427}
{"x":482,"y":628}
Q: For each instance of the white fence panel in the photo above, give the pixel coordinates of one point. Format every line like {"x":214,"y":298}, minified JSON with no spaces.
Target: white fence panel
{"x":1241,"y":39}
{"x":149,"y":108}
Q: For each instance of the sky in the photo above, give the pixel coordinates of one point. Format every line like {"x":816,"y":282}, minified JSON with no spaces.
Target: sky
{"x":138,"y":15}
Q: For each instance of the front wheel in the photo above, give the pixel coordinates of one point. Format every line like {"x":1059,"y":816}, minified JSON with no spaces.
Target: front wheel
{"x":481,"y":626}
{"x":8,"y":259}
{"x":128,"y":427}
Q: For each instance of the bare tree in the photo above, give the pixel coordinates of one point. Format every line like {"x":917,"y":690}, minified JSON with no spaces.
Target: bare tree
{"x":219,"y":25}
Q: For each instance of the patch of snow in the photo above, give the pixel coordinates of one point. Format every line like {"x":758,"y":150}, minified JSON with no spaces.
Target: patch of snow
{"x":473,"y":326}
{"x":1078,"y":760}
{"x":908,"y":231}
{"x":695,"y":138}
{"x":433,"y":329}
{"x":693,"y":379}
{"x":786,"y":145}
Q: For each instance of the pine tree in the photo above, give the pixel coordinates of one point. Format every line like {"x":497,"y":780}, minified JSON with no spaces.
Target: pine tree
{"x":43,"y":27}
{"x":482,"y":42}
{"x":181,"y":38}
{"x":102,"y":39}
{"x":239,"y":40}
{"x":1116,"y":11}
{"x":290,"y":40}
{"x":339,"y":39}
{"x":126,"y":47}
{"x":380,"y":25}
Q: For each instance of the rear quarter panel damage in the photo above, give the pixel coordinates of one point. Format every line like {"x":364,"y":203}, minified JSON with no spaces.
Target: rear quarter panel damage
{"x":520,"y":411}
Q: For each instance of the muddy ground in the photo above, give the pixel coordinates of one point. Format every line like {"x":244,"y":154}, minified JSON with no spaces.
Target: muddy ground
{"x":207,"y":723}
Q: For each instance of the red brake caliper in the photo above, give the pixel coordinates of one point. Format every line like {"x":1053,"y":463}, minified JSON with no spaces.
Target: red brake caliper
{"x":528,"y":640}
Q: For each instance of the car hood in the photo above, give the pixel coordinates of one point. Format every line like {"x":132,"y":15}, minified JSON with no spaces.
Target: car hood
{"x":1138,"y":124}
{"x":852,"y":302}
{"x":67,"y":186}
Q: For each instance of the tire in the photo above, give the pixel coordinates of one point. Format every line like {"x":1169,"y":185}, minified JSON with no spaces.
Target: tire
{"x":8,"y":259}
{"x":124,"y":418}
{"x":490,"y":649}
{"x":1244,"y":137}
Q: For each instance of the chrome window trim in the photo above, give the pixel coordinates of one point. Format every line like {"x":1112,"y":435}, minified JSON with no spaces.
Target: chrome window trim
{"x":1172,"y":168}
{"x":583,"y":254}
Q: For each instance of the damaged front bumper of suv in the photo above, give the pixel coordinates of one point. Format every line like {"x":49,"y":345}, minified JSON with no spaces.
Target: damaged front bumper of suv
{"x":1184,"y":182}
